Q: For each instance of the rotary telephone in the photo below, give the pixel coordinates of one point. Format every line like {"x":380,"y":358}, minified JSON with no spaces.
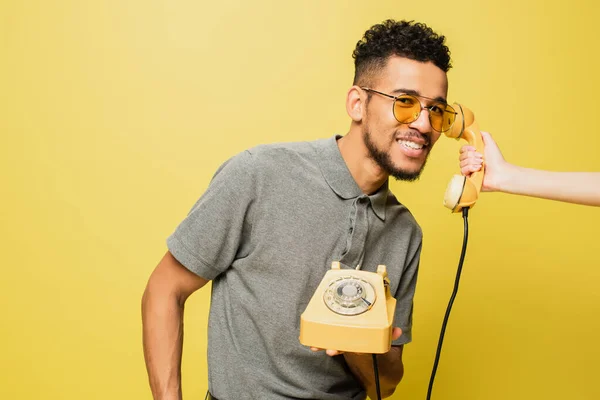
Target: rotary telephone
{"x":353,"y":310}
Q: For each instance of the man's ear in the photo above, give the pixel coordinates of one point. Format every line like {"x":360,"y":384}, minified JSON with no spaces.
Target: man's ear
{"x":356,"y":103}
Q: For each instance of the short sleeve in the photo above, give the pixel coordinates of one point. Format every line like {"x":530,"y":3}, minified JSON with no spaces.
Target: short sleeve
{"x":207,"y":240}
{"x":405,"y":293}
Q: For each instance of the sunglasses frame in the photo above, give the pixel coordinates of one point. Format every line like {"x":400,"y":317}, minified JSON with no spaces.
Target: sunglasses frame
{"x":396,"y":98}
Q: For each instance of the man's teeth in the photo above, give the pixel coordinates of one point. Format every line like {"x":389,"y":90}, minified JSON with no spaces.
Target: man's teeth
{"x":410,"y":145}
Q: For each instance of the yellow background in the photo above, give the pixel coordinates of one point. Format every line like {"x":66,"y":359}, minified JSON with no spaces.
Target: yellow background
{"x":115,"y":114}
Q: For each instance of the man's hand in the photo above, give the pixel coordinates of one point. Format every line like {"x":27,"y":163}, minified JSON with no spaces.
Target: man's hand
{"x":396,"y":332}
{"x":390,"y":367}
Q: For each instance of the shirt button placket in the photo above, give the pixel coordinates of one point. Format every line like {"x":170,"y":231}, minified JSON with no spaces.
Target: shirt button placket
{"x":358,"y":232}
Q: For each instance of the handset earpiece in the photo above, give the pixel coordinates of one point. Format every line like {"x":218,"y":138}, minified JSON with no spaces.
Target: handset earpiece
{"x":462,"y":192}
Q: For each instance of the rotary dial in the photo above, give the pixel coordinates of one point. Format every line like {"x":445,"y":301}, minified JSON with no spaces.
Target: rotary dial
{"x":349,"y":295}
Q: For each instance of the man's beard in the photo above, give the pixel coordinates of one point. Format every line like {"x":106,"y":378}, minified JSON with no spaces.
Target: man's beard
{"x":384,"y":161}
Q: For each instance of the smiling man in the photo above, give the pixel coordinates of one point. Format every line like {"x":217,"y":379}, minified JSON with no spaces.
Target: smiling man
{"x":397,"y":103}
{"x":276,"y":216}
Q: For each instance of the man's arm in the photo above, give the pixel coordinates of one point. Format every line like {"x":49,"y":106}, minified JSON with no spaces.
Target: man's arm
{"x":162,"y":317}
{"x":389,"y":366}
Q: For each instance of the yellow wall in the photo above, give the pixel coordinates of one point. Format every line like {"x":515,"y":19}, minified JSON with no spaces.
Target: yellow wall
{"x":115,"y":114}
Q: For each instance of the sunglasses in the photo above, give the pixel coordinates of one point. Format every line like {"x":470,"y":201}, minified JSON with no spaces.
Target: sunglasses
{"x":407,"y":108}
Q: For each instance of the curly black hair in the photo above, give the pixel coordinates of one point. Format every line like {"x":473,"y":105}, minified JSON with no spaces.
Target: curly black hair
{"x":408,"y":39}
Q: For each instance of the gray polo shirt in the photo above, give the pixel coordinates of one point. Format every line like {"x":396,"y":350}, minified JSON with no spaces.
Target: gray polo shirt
{"x":266,"y":230}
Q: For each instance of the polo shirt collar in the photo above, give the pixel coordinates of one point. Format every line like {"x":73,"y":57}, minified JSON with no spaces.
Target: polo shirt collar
{"x":338,"y":177}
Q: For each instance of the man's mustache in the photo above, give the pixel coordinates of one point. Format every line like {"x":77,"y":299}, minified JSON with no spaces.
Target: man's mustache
{"x":415,"y":134}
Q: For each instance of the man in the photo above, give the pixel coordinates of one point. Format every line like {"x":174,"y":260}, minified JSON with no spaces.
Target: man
{"x":276,"y":216}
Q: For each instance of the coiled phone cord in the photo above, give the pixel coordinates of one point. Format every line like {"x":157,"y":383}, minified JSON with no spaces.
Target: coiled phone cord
{"x":465,"y":214}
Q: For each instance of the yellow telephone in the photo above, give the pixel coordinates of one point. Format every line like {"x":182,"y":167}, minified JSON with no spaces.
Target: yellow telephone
{"x":351,"y":310}
{"x":462,"y":192}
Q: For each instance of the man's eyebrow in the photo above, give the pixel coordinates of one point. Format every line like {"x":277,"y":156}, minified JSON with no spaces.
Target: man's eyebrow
{"x":416,"y":93}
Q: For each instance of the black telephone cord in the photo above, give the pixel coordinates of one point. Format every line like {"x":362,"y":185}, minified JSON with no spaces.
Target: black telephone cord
{"x":465,"y":214}
{"x":376,"y":376}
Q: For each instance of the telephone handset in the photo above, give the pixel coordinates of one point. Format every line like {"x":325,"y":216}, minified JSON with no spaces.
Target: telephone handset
{"x":351,"y":310}
{"x":462,"y":192}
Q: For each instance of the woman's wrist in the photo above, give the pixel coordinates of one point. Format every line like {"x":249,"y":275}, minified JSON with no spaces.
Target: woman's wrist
{"x":506,"y":179}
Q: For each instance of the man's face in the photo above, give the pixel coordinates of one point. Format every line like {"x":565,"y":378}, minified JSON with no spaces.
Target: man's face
{"x":401,"y":149}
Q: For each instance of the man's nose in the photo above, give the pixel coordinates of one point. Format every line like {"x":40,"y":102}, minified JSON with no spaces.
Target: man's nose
{"x":422,"y":123}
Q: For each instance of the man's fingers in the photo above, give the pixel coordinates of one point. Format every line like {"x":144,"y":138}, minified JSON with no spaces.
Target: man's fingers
{"x":329,"y":352}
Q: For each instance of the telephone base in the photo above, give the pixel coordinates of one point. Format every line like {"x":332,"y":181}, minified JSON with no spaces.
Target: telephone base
{"x":354,"y":339}
{"x":351,"y":310}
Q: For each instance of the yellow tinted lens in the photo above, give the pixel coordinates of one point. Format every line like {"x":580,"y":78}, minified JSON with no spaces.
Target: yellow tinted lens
{"x":441,"y":116}
{"x":448,"y":119}
{"x":407,"y":108}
